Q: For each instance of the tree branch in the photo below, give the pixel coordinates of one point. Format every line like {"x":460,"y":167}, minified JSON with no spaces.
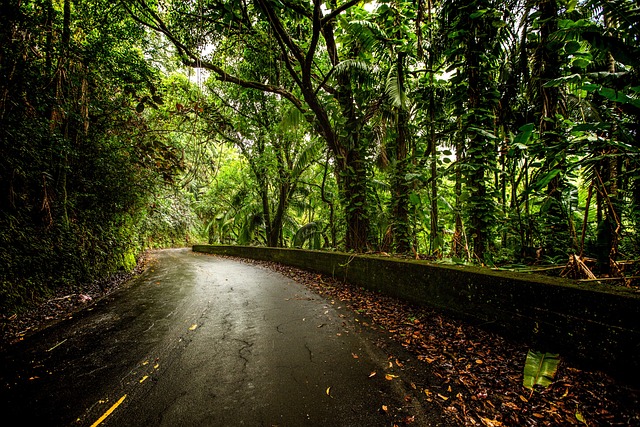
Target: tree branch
{"x":315,"y":36}
{"x":339,"y":10}
{"x":193,"y":60}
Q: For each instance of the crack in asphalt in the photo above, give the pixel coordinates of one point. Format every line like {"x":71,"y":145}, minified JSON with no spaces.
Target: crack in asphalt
{"x":226,"y":324}
{"x":306,"y":345}
{"x":246,"y":346}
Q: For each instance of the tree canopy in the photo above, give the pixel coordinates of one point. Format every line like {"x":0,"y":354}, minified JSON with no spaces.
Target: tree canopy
{"x":497,"y":133}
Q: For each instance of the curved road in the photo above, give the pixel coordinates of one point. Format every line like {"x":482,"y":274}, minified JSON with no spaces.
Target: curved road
{"x":204,"y":341}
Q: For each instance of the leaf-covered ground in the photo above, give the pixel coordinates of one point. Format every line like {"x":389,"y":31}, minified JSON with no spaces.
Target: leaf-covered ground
{"x":478,"y":374}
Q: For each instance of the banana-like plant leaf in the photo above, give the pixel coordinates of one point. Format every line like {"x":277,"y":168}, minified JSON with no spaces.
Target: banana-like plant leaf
{"x":539,"y":369}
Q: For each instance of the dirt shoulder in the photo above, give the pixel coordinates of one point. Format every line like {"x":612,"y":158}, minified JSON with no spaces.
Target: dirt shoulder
{"x":63,"y":303}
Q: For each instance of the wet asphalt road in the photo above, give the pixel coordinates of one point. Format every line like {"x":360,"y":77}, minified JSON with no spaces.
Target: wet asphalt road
{"x":202,"y":341}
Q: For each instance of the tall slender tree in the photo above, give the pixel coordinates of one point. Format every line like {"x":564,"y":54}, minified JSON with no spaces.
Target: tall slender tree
{"x":474,"y":34}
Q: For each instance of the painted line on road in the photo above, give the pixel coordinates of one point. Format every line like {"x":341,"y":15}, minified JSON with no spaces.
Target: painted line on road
{"x":106,"y":414}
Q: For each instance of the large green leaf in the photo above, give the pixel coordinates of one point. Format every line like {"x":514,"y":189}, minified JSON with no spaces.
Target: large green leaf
{"x":539,"y":369}
{"x":545,"y":180}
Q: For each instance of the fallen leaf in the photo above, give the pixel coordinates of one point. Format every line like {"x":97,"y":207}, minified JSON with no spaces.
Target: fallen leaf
{"x":425,"y":358}
{"x":479,"y":362}
{"x":193,"y":327}
{"x":144,"y":378}
{"x":372,"y":374}
{"x":400,"y":365}
{"x":384,"y":408}
{"x":512,"y":405}
{"x":580,"y":418}
{"x":490,"y":423}
{"x":329,"y":391}
{"x":355,"y":356}
{"x":442,"y":397}
{"x":390,"y":377}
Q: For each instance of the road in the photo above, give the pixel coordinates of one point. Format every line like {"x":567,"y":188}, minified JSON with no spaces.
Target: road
{"x":199,"y":340}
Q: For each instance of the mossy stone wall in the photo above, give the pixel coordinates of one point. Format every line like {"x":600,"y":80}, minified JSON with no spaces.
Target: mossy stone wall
{"x":594,"y":325}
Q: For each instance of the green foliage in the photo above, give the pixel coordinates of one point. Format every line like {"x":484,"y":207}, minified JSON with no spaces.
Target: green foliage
{"x":468,"y":130}
{"x":539,"y":369}
{"x":311,"y":233}
{"x":78,"y":162}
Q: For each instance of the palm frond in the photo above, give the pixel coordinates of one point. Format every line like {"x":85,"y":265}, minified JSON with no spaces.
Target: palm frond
{"x":368,"y":34}
{"x":292,"y":119}
{"x":310,"y":153}
{"x":397,"y":96}
{"x":354,"y":67}
{"x":378,"y":185}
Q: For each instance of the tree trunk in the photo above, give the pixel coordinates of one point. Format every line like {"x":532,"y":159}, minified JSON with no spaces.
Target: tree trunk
{"x":547,"y":67}
{"x":433,"y":153}
{"x":332,"y":226}
{"x":458,"y":243}
{"x":354,"y":189}
{"x":401,"y":188}
{"x":352,"y":171}
{"x":476,"y":163}
{"x":613,"y":167}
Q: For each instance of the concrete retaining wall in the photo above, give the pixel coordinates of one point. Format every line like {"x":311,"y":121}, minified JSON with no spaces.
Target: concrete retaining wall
{"x":593,"y":325}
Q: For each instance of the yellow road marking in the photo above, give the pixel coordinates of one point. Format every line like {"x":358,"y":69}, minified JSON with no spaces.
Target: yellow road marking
{"x":106,"y":414}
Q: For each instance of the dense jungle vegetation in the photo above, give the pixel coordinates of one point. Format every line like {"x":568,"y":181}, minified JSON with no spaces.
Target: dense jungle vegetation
{"x":482,"y":131}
